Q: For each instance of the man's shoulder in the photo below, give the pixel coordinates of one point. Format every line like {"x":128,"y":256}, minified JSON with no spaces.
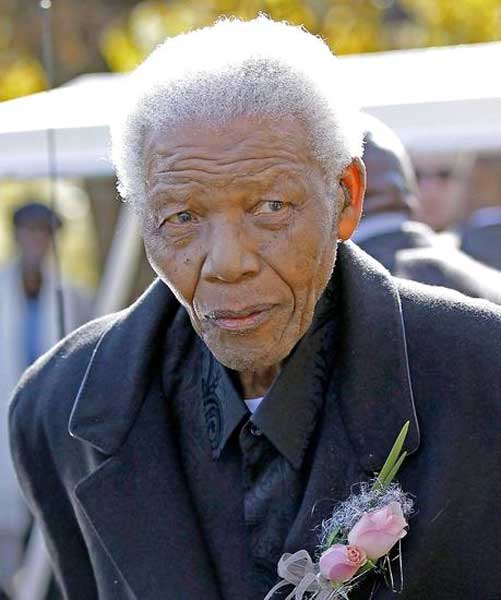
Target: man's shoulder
{"x":440,"y":315}
{"x":46,"y":393}
{"x":450,"y":268}
{"x":50,"y":385}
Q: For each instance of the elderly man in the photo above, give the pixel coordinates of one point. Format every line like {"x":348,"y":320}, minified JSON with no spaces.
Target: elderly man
{"x":390,"y":234}
{"x":178,"y":448}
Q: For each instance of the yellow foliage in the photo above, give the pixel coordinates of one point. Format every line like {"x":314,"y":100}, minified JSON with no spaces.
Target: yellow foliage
{"x":293,"y":11}
{"x":348,"y":26}
{"x":119,"y":50}
{"x":23,"y":76}
{"x":457,"y":21}
{"x":151,"y":22}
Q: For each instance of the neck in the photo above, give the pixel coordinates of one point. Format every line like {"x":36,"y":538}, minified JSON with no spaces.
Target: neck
{"x":255,"y":384}
{"x":32,"y":280}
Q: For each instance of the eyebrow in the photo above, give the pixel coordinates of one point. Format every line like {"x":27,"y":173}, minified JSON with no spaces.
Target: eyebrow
{"x":168,"y":193}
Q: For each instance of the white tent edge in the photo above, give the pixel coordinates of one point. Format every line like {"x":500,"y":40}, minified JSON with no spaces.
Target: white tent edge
{"x":424,"y":95}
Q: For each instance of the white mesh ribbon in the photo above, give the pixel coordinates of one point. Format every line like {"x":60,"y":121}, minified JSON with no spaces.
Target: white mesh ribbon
{"x":299,"y":570}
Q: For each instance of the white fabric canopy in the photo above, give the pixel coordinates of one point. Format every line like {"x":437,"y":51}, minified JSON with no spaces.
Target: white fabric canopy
{"x":438,"y":100}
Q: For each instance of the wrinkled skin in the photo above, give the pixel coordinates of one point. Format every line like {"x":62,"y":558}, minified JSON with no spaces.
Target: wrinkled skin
{"x":240,"y":226}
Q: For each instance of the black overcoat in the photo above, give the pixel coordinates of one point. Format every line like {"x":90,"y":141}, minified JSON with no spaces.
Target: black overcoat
{"x":483,"y":243}
{"x":96,"y":451}
{"x":412,"y":252}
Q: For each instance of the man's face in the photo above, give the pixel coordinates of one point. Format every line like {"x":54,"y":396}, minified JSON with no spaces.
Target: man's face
{"x":441,"y":197}
{"x":390,"y":187}
{"x":33,"y":238}
{"x":240,"y":226}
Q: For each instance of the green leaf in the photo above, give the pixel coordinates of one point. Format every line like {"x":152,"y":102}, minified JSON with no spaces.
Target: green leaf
{"x":369,"y":565}
{"x":392,"y":474}
{"x":331,"y":538}
{"x":393,"y":457}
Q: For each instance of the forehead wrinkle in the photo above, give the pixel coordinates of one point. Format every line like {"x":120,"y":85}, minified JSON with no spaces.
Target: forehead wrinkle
{"x":250,"y":146}
{"x":174,"y":161}
{"x":224,"y":169}
{"x":267,"y":176}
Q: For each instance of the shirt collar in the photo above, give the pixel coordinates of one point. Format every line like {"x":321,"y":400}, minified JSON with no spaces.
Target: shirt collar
{"x":224,"y":410}
{"x":290,"y":410}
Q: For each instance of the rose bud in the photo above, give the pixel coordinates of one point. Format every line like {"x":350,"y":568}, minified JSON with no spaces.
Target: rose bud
{"x":378,"y":531}
{"x":339,"y":563}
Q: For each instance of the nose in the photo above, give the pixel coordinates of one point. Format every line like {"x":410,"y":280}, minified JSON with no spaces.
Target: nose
{"x":230,"y":256}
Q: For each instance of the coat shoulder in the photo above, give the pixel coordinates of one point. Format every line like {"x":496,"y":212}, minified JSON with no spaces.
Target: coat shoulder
{"x":49,"y":386}
{"x":441,"y":302}
{"x":446,"y":324}
{"x":449,"y":268}
{"x":453,"y":345}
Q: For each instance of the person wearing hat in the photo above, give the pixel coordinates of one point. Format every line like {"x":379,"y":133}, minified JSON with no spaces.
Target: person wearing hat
{"x":29,"y":327}
{"x":390,"y":232}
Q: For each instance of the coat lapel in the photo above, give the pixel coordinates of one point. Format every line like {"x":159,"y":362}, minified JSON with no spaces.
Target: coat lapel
{"x":373,"y":380}
{"x":137,"y":500}
{"x":369,"y":397}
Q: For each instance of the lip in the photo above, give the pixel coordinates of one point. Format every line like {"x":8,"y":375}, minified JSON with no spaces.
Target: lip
{"x":245,"y":319}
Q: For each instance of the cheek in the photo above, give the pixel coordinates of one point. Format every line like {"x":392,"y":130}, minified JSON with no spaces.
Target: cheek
{"x":303,"y":255}
{"x":179,"y":268}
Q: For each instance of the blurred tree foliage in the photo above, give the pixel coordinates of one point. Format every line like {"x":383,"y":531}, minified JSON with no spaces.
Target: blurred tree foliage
{"x":97,"y":35}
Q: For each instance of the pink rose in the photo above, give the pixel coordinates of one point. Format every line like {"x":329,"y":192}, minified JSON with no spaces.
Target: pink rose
{"x":340,"y":563}
{"x":378,"y":531}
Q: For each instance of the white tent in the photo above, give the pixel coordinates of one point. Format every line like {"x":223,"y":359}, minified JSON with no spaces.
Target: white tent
{"x":438,"y":100}
{"x":78,"y":115}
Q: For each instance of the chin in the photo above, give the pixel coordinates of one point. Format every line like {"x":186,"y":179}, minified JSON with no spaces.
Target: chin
{"x":241,"y":359}
{"x":251,"y":351}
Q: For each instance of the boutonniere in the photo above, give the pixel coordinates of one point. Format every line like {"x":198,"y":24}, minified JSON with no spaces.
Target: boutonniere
{"x":364,"y":534}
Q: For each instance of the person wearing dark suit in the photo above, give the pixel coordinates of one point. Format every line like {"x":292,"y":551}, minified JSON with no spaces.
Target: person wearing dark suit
{"x":390,"y":234}
{"x":481,"y":236}
{"x":178,"y":448}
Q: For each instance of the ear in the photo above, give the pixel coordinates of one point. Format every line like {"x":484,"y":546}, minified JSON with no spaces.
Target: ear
{"x":353,"y":183}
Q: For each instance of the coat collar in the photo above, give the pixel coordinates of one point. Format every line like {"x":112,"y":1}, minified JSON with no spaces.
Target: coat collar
{"x":374,"y":384}
{"x":224,"y":410}
{"x":371,"y":363}
{"x":290,"y":411}
{"x":119,"y":370}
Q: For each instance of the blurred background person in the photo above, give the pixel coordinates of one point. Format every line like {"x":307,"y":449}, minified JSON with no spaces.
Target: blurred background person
{"x":390,"y":233}
{"x":390,"y":201}
{"x":480,"y":234}
{"x":29,"y":327}
{"x":443,"y":190}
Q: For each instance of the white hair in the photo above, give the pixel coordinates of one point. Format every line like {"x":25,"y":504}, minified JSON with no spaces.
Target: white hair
{"x":233,"y":68}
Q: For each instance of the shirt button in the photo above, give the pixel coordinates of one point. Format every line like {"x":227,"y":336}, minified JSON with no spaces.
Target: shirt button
{"x":255,"y":431}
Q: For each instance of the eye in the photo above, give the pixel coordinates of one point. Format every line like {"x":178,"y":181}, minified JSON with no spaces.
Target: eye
{"x":181,"y":218}
{"x":270,"y":206}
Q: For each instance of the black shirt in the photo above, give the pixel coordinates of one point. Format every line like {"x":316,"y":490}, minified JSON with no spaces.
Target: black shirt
{"x":247,"y":473}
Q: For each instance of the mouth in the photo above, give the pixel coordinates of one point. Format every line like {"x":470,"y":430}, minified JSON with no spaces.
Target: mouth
{"x":240,"y":320}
